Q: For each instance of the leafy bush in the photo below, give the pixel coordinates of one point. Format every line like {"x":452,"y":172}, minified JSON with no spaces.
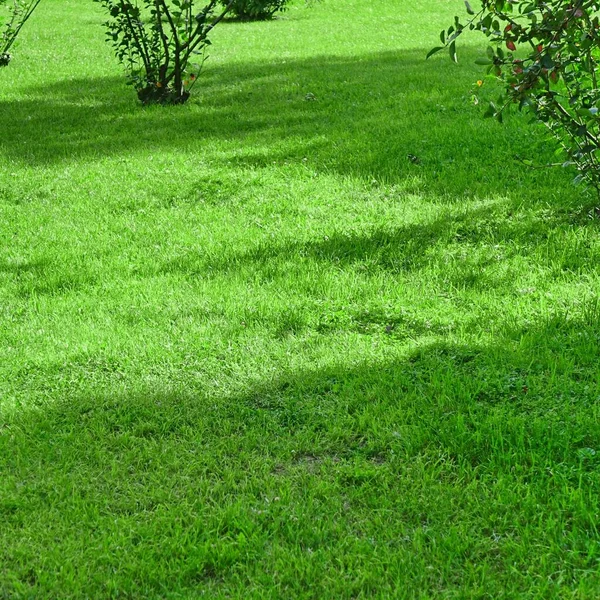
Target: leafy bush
{"x":157,"y":41}
{"x":545,"y":53}
{"x":14,"y":16}
{"x":256,"y":10}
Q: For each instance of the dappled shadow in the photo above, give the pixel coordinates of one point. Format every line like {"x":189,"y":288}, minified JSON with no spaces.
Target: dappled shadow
{"x":543,"y":373}
{"x":394,"y":248}
{"x":457,"y":433}
{"x":470,"y":241}
{"x":360,"y":116}
{"x":99,"y":458}
{"x":541,"y":368}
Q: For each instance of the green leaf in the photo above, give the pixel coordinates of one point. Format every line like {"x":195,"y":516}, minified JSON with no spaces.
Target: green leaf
{"x":483,"y":61}
{"x":547,"y":61}
{"x":468,"y":7}
{"x":452,"y":50}
{"x":434,"y":51}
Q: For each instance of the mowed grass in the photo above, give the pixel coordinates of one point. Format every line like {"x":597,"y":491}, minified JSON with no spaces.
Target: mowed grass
{"x":249,"y":349}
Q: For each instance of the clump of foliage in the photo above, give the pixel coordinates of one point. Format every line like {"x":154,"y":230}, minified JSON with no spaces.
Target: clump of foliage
{"x":545,"y":53}
{"x":256,"y":10}
{"x":162,"y":43}
{"x":14,"y":16}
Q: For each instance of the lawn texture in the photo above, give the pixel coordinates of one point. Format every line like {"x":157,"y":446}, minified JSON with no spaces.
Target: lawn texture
{"x":315,"y":334}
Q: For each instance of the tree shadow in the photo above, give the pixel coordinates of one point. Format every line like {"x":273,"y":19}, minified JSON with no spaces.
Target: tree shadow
{"x":495,"y":441}
{"x":472,"y":242}
{"x":386,"y":116}
{"x":540,"y":369}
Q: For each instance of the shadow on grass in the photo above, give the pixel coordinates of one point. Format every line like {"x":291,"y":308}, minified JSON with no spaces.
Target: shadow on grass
{"x":471,"y":242}
{"x":498,"y":441}
{"x":131,"y":467}
{"x":358,"y":116}
{"x":542,"y":371}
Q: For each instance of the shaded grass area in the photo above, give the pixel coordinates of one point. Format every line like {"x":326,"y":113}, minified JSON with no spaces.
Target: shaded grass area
{"x":325,"y":113}
{"x":248,"y":348}
{"x":443,"y":469}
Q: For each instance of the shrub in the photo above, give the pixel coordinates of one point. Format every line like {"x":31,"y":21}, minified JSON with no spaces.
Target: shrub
{"x":545,"y":54}
{"x":15,"y":16}
{"x":157,"y":42}
{"x":256,"y":10}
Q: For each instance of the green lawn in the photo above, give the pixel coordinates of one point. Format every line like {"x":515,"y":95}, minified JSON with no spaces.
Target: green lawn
{"x":248,"y":349}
